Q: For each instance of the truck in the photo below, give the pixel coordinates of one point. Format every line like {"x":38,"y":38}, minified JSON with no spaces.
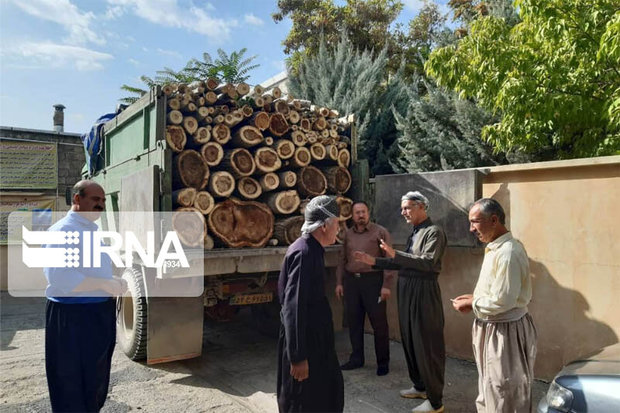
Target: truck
{"x":136,"y":174}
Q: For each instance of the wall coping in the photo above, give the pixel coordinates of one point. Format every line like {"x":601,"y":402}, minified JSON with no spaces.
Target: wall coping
{"x":570,"y":163}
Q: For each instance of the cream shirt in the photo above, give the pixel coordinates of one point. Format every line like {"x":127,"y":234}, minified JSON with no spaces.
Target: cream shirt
{"x":504,"y":283}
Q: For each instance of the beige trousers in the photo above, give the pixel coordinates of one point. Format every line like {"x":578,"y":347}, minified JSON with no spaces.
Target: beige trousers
{"x":505,"y":354}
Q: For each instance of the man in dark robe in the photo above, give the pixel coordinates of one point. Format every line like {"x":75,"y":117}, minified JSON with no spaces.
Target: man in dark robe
{"x":309,"y":376}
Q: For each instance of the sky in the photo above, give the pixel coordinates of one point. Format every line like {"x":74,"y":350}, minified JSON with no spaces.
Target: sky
{"x":79,"y":52}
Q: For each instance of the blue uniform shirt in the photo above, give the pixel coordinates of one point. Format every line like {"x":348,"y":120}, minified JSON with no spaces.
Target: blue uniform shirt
{"x":62,"y":281}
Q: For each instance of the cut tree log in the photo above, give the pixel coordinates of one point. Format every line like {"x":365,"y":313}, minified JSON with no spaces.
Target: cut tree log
{"x":259,"y":120}
{"x":183,"y":197}
{"x":320,"y":123}
{"x":258,"y":90}
{"x":267,"y":160}
{"x":268,"y":141}
{"x":211,"y":97}
{"x":190,"y":124}
{"x":338,"y":179}
{"x":190,"y":226}
{"x":283,"y":203}
{"x":247,"y":111}
{"x":199,"y":138}
{"x":248,"y":188}
{"x":221,"y":184}
{"x":241,"y":223}
{"x":281,"y":106}
{"x":305,"y":124}
{"x":176,"y":138}
{"x":221,"y":134}
{"x":242,"y":89}
{"x":332,"y":153}
{"x":276,"y":92}
{"x":175,"y":117}
{"x":346,"y":207}
{"x":278,"y":124}
{"x":269,"y":181}
{"x":212,"y":153}
{"x":311,"y":181}
{"x":204,"y":202}
{"x":344,"y":158}
{"x":287,"y":230}
{"x":247,"y":136}
{"x":294,"y":117}
{"x":189,"y":109}
{"x":239,"y":162}
{"x":190,"y":170}
{"x":318,"y":151}
{"x":202,"y":113}
{"x":302,"y":157}
{"x":284,"y":148}
{"x":208,"y":242}
{"x":288,"y":179}
{"x":212,"y":83}
{"x":168,"y":89}
{"x":174,"y":104}
{"x":299,"y":138}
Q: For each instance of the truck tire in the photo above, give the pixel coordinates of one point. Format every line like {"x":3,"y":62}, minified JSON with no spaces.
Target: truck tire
{"x":267,"y":318}
{"x":131,"y":320}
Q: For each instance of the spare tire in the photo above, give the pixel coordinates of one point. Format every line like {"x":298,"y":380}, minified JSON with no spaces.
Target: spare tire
{"x":131,"y":320}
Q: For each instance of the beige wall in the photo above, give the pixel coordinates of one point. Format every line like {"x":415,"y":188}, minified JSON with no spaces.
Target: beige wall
{"x":567,"y":214}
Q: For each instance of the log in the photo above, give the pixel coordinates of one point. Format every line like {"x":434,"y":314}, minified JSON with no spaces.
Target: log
{"x":259,"y":120}
{"x":242,"y":89}
{"x":267,"y":160}
{"x":204,"y":202}
{"x":283,"y":203}
{"x":176,"y":138}
{"x":268,"y":141}
{"x":231,"y":120}
{"x":218,"y":119}
{"x":294,"y":116}
{"x":288,"y":179}
{"x":299,"y":138}
{"x":190,"y":170}
{"x":281,"y":106}
{"x":248,"y":188}
{"x":210,"y":97}
{"x":247,"y":136}
{"x":181,"y":88}
{"x":199,"y":138}
{"x":269,"y":181}
{"x":241,"y":223}
{"x":287,"y":230}
{"x":302,"y":206}
{"x":296,"y":105}
{"x":284,"y":148}
{"x":212,"y":83}
{"x":344,"y":158}
{"x":183,"y":197}
{"x":276,"y":92}
{"x":318,"y":151}
{"x":320,"y":123}
{"x":338,"y":179}
{"x":190,"y":226}
{"x":221,"y":134}
{"x":258,"y":90}
{"x":190,"y":108}
{"x":208,"y":242}
{"x":221,"y":184}
{"x":190,"y":124}
{"x":302,"y":157}
{"x":247,"y":111}
{"x":332,"y":153}
{"x":268,"y":99}
{"x":174,"y":104}
{"x":168,"y":89}
{"x":202,"y":113}
{"x":346,"y":207}
{"x":212,"y":153}
{"x":324,"y":112}
{"x":311,"y":181}
{"x":175,"y":117}
{"x":305,"y":124}
{"x":239,"y":162}
{"x":259,"y":102}
{"x":277,"y":124}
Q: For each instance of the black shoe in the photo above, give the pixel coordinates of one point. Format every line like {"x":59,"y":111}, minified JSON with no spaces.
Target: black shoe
{"x":383,"y":370}
{"x":349,"y":365}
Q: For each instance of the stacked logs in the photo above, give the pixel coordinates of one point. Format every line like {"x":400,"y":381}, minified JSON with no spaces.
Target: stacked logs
{"x":248,"y":161}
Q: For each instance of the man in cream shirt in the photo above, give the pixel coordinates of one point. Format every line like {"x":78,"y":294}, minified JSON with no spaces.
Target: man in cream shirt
{"x":504,"y":336}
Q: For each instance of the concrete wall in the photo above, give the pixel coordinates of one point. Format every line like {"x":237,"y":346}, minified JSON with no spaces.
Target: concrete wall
{"x":70,"y":162}
{"x":567,"y":214}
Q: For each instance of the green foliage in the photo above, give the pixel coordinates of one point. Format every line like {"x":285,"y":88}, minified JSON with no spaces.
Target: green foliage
{"x":366,"y":23}
{"x":553,"y":78}
{"x":352,"y":82}
{"x":233,"y":68}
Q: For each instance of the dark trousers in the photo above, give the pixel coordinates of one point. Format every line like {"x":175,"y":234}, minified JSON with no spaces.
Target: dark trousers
{"x":360,"y":298}
{"x":421,"y":326}
{"x":79,"y":342}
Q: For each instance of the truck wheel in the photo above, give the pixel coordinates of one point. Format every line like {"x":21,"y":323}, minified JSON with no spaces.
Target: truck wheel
{"x":131,"y":320}
{"x":267,"y":318}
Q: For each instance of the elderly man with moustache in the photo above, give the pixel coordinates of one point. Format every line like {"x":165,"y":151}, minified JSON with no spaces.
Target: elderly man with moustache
{"x":365,"y":290}
{"x":420,"y":310}
{"x":504,"y":335}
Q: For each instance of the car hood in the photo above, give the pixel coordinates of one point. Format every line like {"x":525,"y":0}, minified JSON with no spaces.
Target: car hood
{"x":605,"y":362}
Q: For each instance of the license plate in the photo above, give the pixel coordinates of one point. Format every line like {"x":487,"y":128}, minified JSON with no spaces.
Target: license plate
{"x":245,"y":299}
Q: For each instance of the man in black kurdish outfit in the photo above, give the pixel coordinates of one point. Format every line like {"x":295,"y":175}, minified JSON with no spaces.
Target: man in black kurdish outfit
{"x":309,"y":376}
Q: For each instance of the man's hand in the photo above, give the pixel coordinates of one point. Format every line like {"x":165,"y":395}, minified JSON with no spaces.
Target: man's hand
{"x":385,"y":294}
{"x":389,"y":251}
{"x":339,"y":291}
{"x":463,"y":303}
{"x":365,"y":258}
{"x":299,"y":371}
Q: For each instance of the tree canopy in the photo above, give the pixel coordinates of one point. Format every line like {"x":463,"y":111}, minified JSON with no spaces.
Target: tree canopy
{"x":553,"y":78}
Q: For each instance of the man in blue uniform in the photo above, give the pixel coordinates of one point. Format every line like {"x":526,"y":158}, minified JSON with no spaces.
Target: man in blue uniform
{"x":80,"y":319}
{"x":309,"y":376}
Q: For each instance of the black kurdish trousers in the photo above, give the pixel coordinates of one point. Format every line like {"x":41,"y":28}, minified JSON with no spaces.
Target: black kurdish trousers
{"x":79,"y":342}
